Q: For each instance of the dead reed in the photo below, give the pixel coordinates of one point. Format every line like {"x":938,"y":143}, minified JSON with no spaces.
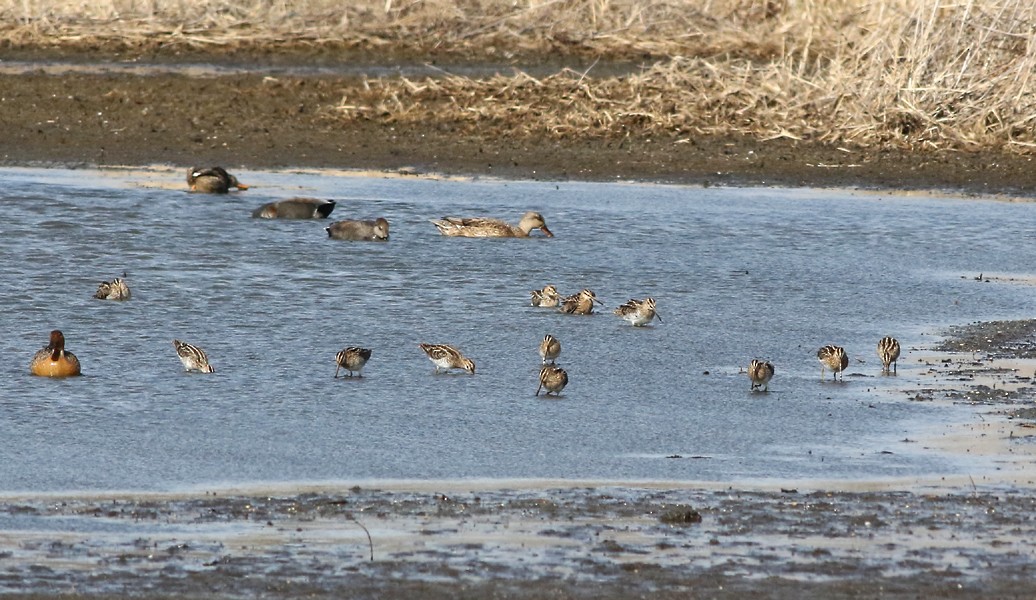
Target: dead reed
{"x":939,"y":74}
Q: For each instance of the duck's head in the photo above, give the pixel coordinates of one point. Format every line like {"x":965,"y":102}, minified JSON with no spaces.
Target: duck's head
{"x":381,"y":229}
{"x":534,"y":220}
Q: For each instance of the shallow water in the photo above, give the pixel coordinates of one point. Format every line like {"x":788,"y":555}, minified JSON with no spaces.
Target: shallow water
{"x":737,"y":274}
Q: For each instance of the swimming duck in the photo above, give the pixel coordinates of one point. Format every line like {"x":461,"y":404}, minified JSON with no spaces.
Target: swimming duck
{"x":213,"y":180}
{"x":352,"y":359}
{"x":486,"y":227}
{"x":446,"y":357}
{"x":295,"y":208}
{"x":192,"y":357}
{"x":54,"y":360}
{"x":115,"y":289}
{"x":369,"y":231}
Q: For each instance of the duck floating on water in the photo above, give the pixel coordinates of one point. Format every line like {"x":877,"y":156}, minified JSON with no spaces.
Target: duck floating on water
{"x":295,"y":208}
{"x":53,"y":360}
{"x":487,"y":227}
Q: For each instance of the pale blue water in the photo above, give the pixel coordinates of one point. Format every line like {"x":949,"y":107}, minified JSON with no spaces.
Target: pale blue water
{"x":737,"y":273}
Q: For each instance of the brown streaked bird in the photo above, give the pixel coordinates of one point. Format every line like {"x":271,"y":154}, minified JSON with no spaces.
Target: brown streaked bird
{"x":53,"y":360}
{"x":295,"y":208}
{"x":552,"y":378}
{"x":115,"y":289}
{"x":638,"y":312}
{"x":352,"y":359}
{"x":580,"y":304}
{"x":550,"y":348}
{"x":213,"y":180}
{"x":760,"y":372}
{"x":834,"y":358}
{"x":359,"y":231}
{"x":446,"y":357}
{"x":487,"y":227}
{"x":548,"y":297}
{"x":192,"y":357}
{"x":888,"y":352}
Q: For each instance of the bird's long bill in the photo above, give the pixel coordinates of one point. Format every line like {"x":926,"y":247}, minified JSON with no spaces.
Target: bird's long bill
{"x":658,"y":316}
{"x":598,"y":301}
{"x":546,"y":231}
{"x":538,"y":388}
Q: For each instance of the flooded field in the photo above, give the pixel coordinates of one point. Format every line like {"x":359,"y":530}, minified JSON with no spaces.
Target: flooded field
{"x":656,"y":469}
{"x":736,"y":273}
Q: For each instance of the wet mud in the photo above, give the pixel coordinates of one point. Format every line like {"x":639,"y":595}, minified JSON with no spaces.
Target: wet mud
{"x":120,"y":110}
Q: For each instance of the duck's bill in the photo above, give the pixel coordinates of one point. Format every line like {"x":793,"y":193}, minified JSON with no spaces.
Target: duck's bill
{"x":546,"y":231}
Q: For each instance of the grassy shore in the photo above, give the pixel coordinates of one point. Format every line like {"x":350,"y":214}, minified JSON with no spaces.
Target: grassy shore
{"x":920,"y":74}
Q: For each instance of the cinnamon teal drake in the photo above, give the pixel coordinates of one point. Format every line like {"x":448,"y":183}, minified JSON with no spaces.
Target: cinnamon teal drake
{"x":53,"y":360}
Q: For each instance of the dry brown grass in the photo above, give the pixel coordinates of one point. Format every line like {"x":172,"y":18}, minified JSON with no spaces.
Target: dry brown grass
{"x":952,"y":74}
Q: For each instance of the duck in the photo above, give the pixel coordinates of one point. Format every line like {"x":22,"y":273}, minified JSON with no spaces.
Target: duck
{"x":483,"y":227}
{"x":367,"y":231}
{"x":638,"y":312}
{"x":212,"y":180}
{"x":115,"y":289}
{"x":295,"y":208}
{"x":53,"y":360}
{"x":352,"y":359}
{"x":580,"y":304}
{"x":552,"y":378}
{"x":446,"y":357}
{"x":760,"y":372}
{"x":548,"y":297}
{"x":193,"y":357}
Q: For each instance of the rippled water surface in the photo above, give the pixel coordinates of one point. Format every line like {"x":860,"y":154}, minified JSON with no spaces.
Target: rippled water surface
{"x":737,"y":273}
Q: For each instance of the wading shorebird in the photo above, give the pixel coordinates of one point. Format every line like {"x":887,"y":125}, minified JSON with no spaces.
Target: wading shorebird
{"x":888,"y":352}
{"x":295,"y":208}
{"x":487,"y":227}
{"x":834,"y":358}
{"x":548,"y":297}
{"x":53,"y":360}
{"x":638,"y":312}
{"x":359,"y":231}
{"x":192,"y":357}
{"x":213,"y":180}
{"x":352,"y":359}
{"x":116,"y":289}
{"x":552,"y":378}
{"x":760,"y":372}
{"x":550,"y":348}
{"x":580,"y":304}
{"x":446,"y":357}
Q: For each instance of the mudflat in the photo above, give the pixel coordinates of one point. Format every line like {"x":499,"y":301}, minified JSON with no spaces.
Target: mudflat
{"x":62,"y":110}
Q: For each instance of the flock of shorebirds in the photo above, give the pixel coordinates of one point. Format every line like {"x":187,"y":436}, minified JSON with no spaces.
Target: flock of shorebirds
{"x":55,"y":361}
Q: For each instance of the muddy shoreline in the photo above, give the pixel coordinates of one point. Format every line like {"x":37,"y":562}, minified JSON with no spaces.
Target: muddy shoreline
{"x":83,"y":113}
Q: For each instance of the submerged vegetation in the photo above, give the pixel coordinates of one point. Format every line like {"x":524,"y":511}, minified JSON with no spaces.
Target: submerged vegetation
{"x":871,"y":73}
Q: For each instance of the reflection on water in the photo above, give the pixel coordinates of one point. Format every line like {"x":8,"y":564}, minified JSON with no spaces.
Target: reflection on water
{"x":736,"y":273}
